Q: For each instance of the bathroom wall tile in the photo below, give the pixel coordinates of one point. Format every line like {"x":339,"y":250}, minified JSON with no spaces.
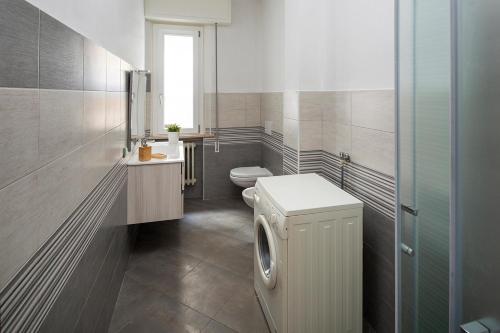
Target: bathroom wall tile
{"x":311,"y":137}
{"x":123,"y":106}
{"x":231,"y":110}
{"x":113,"y":109}
{"x":291,"y":133}
{"x":272,"y":160}
{"x":373,"y":109}
{"x":52,"y":193}
{"x":124,"y":74}
{"x":60,"y":182}
{"x":19,"y":120}
{"x":373,"y":149}
{"x":19,"y":40}
{"x":113,"y":72}
{"x":336,"y":137}
{"x":291,"y":104}
{"x":74,"y":299}
{"x":61,"y":122}
{"x":209,"y":110}
{"x":61,"y":55}
{"x":94,"y":115}
{"x":272,"y":110}
{"x":114,"y":143}
{"x":338,"y":107}
{"x":94,"y":65}
{"x":93,"y":164}
{"x":18,"y":225}
{"x":311,"y":105}
{"x":252,"y":110}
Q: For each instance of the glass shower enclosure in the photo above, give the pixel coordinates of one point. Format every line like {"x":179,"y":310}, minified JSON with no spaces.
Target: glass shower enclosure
{"x":448,"y":165}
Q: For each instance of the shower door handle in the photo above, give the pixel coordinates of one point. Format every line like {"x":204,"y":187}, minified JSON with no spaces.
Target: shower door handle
{"x":410,"y":210}
{"x":407,"y":250}
{"x":160,"y":97}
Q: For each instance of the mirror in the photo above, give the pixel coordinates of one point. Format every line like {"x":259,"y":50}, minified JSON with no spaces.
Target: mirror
{"x":137,"y":105}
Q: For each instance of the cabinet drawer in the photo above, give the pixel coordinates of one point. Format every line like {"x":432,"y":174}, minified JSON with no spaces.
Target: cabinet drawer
{"x":155,"y":193}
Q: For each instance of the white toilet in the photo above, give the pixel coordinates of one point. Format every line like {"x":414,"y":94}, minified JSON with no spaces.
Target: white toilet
{"x":247,"y":177}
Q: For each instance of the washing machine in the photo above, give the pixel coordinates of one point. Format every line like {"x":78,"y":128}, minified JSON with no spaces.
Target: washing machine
{"x":308,"y":255}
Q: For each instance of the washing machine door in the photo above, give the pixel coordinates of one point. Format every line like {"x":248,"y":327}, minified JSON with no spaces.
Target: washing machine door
{"x":265,"y":252}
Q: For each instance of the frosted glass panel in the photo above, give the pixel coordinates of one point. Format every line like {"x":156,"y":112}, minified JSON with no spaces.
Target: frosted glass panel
{"x":424,"y":162}
{"x":478,"y":158}
{"x":178,"y":82}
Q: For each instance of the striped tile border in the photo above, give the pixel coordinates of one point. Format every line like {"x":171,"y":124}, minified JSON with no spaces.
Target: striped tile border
{"x":311,"y":161}
{"x":290,"y":161}
{"x":274,"y":141}
{"x":372,"y":187}
{"x":28,"y":298}
{"x":236,"y":135}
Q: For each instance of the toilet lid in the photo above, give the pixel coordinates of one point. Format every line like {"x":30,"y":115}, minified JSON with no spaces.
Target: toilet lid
{"x":250,"y":172}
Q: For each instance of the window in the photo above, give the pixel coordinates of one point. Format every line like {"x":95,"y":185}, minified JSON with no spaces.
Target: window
{"x":177,"y":68}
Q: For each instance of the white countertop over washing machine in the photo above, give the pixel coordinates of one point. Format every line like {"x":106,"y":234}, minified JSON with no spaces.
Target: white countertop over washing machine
{"x":308,"y":254}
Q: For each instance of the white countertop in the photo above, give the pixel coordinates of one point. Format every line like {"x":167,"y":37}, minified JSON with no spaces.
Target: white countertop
{"x":175,"y":154}
{"x":305,"y":194}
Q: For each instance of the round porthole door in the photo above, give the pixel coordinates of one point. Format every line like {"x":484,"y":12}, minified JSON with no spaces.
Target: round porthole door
{"x":265,"y":252}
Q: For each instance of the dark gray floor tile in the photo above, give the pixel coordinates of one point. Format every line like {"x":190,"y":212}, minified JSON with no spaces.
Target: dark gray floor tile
{"x":237,"y":258}
{"x":61,"y":55}
{"x":243,"y":312}
{"x":161,"y":271}
{"x":141,"y":309}
{"x":207,"y":288}
{"x":216,"y":327}
{"x":182,"y":273}
{"x":19,"y":40}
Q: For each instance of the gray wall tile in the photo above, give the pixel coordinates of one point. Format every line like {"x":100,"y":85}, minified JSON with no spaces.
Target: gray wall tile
{"x":378,"y":270}
{"x":373,"y":109}
{"x":373,"y":149}
{"x":19,"y":44}
{"x":19,"y":119}
{"x":113,"y":109}
{"x":61,"y":55}
{"x":18,"y":225}
{"x":94,"y":115}
{"x":60,"y":193}
{"x":93,"y":164}
{"x":113,"y":71}
{"x":94,"y":66}
{"x":61,"y":122}
{"x":272,"y":160}
{"x":74,"y":309}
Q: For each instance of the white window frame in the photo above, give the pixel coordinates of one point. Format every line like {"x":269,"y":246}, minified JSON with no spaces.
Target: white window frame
{"x":159,"y":30}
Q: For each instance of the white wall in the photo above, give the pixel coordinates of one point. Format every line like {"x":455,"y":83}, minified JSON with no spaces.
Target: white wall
{"x":328,"y":44}
{"x":117,"y":25}
{"x":240,"y":50}
{"x":189,"y":11}
{"x":273,"y":45}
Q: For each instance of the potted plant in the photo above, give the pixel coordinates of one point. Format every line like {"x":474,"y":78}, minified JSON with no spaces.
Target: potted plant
{"x":173,"y":133}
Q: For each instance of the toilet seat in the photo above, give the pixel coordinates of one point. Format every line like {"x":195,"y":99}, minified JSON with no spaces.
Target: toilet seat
{"x":250,"y":172}
{"x":247,"y":176}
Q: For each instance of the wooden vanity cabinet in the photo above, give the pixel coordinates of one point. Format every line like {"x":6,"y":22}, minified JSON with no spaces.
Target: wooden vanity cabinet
{"x":155,"y":192}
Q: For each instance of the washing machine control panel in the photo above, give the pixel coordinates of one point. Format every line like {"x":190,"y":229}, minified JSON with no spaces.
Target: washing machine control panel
{"x":276,"y":220}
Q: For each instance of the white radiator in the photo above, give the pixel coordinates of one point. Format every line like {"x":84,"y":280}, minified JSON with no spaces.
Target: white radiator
{"x":189,"y":175}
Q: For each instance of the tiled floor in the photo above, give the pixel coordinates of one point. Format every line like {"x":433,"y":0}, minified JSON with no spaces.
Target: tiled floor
{"x":192,"y":275}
